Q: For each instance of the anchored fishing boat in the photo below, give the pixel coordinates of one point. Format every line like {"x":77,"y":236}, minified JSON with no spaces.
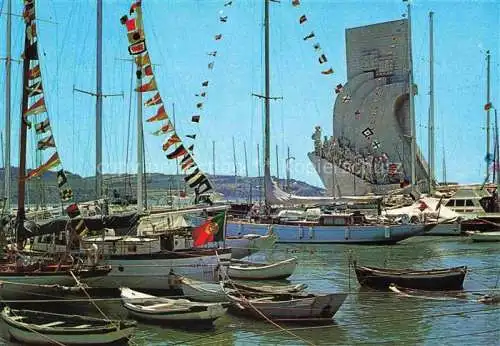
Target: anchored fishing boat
{"x":245,"y":270}
{"x":310,"y":308}
{"x":432,"y":279}
{"x":151,"y":308}
{"x":34,"y":279}
{"x":214,"y":292}
{"x":45,"y":328}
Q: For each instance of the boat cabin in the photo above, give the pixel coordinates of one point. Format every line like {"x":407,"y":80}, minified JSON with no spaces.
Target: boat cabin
{"x":355,"y":218}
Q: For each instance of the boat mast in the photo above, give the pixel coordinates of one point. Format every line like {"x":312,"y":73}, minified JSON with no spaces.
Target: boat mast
{"x":21,"y":185}
{"x":213,"y":158}
{"x":431,"y":102}
{"x":98,"y":104}
{"x":8,"y":67}
{"x":413,"y":135}
{"x":267,"y":121}
{"x":487,"y":113}
{"x":140,"y":146}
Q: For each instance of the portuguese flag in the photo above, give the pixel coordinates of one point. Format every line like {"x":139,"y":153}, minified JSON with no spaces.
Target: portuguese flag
{"x":210,"y":230}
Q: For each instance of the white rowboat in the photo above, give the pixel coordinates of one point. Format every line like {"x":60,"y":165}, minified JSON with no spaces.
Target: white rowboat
{"x":44,"y":328}
{"x":148,"y":307}
{"x":262,"y":271}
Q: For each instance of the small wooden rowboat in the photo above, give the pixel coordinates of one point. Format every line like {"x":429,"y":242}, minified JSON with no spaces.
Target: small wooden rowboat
{"x":44,"y":328}
{"x":309,"y":308}
{"x":432,"y":280}
{"x":210,"y":292}
{"x":262,"y":271}
{"x":151,"y":308}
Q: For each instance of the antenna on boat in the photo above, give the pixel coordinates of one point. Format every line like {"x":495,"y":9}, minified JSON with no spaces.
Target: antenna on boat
{"x":431,"y":103}
{"x":99,"y":95}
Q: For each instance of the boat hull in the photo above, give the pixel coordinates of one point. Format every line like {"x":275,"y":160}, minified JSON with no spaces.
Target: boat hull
{"x":203,"y":292}
{"x":150,"y":272}
{"x":64,"y":329}
{"x":273,"y":271}
{"x":27,"y":337}
{"x":486,"y":237}
{"x":445,"y":229}
{"x":14,"y":287}
{"x":432,"y":280}
{"x":247,"y":245}
{"x":362,"y":234}
{"x":316,"y":308}
{"x":208,"y":315}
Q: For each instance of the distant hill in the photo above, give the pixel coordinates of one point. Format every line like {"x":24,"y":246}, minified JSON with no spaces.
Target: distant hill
{"x":233,"y":188}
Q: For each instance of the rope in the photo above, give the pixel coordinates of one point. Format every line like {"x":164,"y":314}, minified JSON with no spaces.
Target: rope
{"x":389,"y":320}
{"x":96,"y":306}
{"x":26,"y":325}
{"x":260,"y":312}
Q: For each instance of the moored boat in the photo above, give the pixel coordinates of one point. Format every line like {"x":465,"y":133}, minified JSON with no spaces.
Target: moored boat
{"x":262,"y":271}
{"x":211,"y":292}
{"x":309,"y":308}
{"x":485,"y":236}
{"x":26,"y":280}
{"x":432,"y":279}
{"x":44,"y":328}
{"x":151,"y":308}
{"x":150,"y":270}
{"x":331,"y":229}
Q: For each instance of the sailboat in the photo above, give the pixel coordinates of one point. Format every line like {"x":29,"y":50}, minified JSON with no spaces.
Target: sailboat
{"x":144,"y":261}
{"x":325,"y":228}
{"x":23,"y":274}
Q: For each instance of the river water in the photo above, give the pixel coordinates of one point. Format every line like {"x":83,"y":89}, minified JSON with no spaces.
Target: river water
{"x":366,"y":317}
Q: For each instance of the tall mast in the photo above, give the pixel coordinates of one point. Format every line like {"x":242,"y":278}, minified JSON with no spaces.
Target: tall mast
{"x":431,"y":102}
{"x":140,"y":146}
{"x":497,"y":152}
{"x":246,"y":162}
{"x":213,"y":158}
{"x":98,"y":104}
{"x":413,"y":134}
{"x":267,"y":121}
{"x":7,"y":106}
{"x":21,"y":186}
{"x":487,"y":110}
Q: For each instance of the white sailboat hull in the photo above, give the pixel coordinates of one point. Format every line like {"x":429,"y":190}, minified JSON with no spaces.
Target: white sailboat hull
{"x":152,"y":273}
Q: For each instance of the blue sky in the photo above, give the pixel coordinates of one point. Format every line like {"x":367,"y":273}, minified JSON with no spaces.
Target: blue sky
{"x":180,"y":33}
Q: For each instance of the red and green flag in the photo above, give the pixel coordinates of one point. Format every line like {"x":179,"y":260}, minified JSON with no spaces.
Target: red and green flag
{"x":211,"y":230}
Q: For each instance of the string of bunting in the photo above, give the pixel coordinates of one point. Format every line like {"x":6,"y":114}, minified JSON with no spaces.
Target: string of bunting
{"x":37,"y":111}
{"x":202,"y":94}
{"x":339,"y":90}
{"x":311,"y":37}
{"x":173,"y":145}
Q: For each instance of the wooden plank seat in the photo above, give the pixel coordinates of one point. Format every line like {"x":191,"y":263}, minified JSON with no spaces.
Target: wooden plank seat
{"x":51,"y":324}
